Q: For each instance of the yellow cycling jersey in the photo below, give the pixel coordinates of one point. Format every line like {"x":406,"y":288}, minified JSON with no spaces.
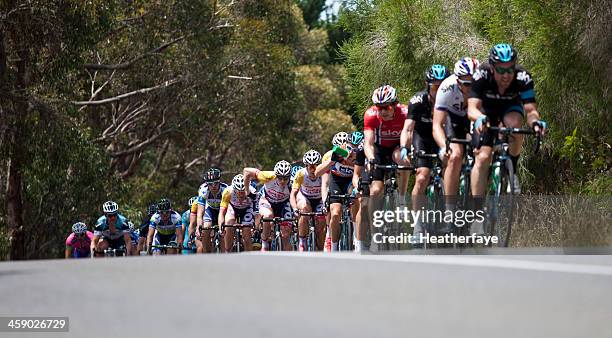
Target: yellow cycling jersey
{"x":274,"y":192}
{"x":342,"y":169}
{"x":309,"y":188}
{"x":230,"y":197}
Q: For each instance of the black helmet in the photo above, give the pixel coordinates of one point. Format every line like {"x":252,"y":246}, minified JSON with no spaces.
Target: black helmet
{"x":212,"y":175}
{"x":164,"y":205}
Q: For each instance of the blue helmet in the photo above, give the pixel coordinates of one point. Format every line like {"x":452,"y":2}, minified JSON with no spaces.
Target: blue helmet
{"x":436,"y":73}
{"x":502,"y":52}
{"x":356,"y":137}
{"x":295,"y":169}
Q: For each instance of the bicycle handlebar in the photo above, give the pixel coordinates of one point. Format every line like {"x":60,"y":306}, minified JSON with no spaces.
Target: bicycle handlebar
{"x":277,"y":219}
{"x":311,"y":213}
{"x":236,"y":226}
{"x":509,"y":131}
{"x":392,"y":167}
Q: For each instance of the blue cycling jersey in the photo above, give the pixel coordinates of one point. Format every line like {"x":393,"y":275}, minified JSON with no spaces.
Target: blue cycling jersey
{"x":102,"y":228}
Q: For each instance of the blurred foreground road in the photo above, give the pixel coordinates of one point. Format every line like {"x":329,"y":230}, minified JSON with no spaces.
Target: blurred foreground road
{"x":344,"y":295}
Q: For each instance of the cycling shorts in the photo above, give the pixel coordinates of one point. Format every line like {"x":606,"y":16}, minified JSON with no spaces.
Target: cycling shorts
{"x":428,"y":145}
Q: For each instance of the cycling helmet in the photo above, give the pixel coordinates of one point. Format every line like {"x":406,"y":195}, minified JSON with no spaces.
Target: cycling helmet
{"x":131,"y":225}
{"x":466,"y":66}
{"x":502,"y":52}
{"x":384,"y":95}
{"x":212,"y":175}
{"x":110,"y":207}
{"x":356,"y":137}
{"x":164,"y":205}
{"x":311,"y":157}
{"x":238,"y":183}
{"x":152,"y":209}
{"x":282,"y":168}
{"x":79,"y":228}
{"x":191,"y":200}
{"x":436,"y":73}
{"x":295,"y":169}
{"x":340,"y":138}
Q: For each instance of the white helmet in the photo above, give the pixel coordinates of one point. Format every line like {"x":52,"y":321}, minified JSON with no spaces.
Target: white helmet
{"x":238,"y":182}
{"x":384,"y":95}
{"x":79,"y":228}
{"x":110,"y":207}
{"x":282,"y":168}
{"x":340,"y":138}
{"x":312,"y":157}
{"x":466,"y":66}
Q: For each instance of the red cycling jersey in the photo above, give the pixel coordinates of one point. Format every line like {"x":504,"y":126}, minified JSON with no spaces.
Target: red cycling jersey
{"x":388,"y":132}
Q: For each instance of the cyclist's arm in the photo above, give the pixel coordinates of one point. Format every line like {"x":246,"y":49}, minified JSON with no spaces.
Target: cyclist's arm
{"x":179,"y":236}
{"x":200,"y":216}
{"x":94,"y":243}
{"x":474,"y":108}
{"x":439,"y":119}
{"x":128,"y":243}
{"x":357,"y":170}
{"x":531,"y":110}
{"x":324,"y":186}
{"x":368,"y":145}
{"x":68,"y":251}
{"x":293,"y":197}
{"x":221,"y":218}
{"x":323,"y":167}
{"x":406,"y":136}
{"x":192,"y":222}
{"x":150,"y":237}
{"x":249,"y":174}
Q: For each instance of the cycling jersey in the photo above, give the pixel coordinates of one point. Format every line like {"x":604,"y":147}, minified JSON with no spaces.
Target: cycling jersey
{"x":165,"y":228}
{"x":308,"y":187}
{"x":194,"y":207}
{"x":387,"y":133}
{"x":185,"y":223}
{"x":342,"y":168}
{"x":495,"y":104}
{"x":209,"y":199}
{"x":80,"y":244}
{"x":102,"y":228}
{"x":273,"y":191}
{"x":230,"y":197}
{"x":450,"y":99}
{"x":420,"y":110}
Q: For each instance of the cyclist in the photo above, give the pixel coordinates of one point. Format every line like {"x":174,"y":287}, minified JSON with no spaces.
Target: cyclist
{"x":134,"y":234}
{"x":165,"y":228}
{"x":502,"y":93}
{"x":187,"y":218}
{"x":418,"y":132}
{"x":237,"y":207}
{"x":383,"y":124}
{"x":111,"y":230}
{"x":275,"y":199}
{"x":306,"y":197}
{"x":209,"y":201}
{"x":450,"y":121}
{"x":143,"y":230}
{"x":340,"y":170}
{"x":359,"y":174}
{"x":79,"y":241}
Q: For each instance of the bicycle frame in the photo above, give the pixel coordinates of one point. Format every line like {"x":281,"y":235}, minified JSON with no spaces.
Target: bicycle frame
{"x":237,"y":234}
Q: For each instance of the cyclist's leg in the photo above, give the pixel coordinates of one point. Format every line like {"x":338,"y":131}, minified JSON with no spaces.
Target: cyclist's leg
{"x":246,"y":218}
{"x":228,"y":236}
{"x":303,"y":204}
{"x":283,"y":210}
{"x":319,"y":225}
{"x":403,"y":175}
{"x":513,"y":118}
{"x":265,"y":210}
{"x":378,"y":175}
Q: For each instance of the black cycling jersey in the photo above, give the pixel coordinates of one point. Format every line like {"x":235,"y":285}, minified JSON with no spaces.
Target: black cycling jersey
{"x":494,"y":104}
{"x":420,"y":110}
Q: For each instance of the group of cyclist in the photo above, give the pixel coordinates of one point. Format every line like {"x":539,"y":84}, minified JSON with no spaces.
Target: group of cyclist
{"x":461,"y":105}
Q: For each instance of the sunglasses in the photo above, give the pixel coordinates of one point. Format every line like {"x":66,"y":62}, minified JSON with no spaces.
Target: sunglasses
{"x":283,"y":178}
{"x":383,"y":106}
{"x":465,"y":83}
{"x":503,"y":70}
{"x":79,"y":235}
{"x":164,"y":212}
{"x":111,"y":215}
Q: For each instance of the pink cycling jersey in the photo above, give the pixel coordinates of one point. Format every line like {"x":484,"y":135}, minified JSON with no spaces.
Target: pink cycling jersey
{"x":80,"y":243}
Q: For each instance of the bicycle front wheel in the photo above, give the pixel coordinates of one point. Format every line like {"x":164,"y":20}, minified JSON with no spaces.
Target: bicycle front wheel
{"x":504,"y":204}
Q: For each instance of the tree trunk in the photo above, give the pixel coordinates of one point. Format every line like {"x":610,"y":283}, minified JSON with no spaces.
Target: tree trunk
{"x":14,"y":202}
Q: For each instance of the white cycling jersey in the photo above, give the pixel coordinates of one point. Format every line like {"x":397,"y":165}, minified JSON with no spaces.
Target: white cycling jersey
{"x":450,"y":98}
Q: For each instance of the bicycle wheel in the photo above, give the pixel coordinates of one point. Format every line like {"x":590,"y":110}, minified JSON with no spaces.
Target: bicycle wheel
{"x":505,"y":204}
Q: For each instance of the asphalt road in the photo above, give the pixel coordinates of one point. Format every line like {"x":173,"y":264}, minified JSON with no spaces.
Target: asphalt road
{"x":265,"y":295}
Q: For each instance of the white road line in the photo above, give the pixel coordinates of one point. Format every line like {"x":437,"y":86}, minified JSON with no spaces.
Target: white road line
{"x":465,"y":261}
